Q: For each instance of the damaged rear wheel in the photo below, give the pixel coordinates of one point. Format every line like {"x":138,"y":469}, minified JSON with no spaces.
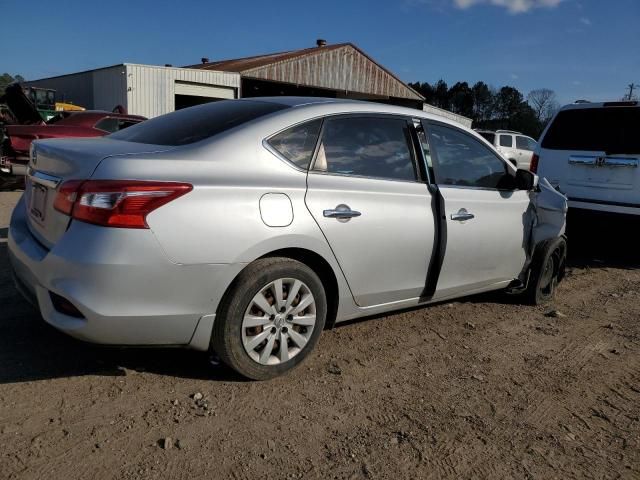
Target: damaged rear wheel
{"x":547,"y":269}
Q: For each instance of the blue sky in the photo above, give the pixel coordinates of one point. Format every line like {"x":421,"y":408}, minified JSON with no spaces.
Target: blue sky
{"x":579,"y":48}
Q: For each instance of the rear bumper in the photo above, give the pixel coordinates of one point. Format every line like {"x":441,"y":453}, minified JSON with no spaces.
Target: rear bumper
{"x":127,"y":290}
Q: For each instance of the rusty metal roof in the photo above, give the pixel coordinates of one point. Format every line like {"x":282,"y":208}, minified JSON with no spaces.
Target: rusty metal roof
{"x":341,"y":66}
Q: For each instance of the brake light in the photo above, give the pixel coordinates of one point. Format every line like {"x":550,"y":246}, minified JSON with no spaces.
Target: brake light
{"x":116,"y":203}
{"x":534,"y":163}
{"x":66,"y":196}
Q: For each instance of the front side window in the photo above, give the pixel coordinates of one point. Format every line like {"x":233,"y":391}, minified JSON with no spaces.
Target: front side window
{"x":506,"y":141}
{"x":366,"y":146}
{"x":462,"y":160}
{"x":297,"y":144}
{"x":525,"y":143}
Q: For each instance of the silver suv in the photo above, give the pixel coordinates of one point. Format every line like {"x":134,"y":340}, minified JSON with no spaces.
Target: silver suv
{"x":514,"y":146}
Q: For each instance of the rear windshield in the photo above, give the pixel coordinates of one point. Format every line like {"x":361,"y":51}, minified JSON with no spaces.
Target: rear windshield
{"x":196,"y":123}
{"x":608,"y":129}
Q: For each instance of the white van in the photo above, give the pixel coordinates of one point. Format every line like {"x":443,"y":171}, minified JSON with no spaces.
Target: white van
{"x":591,"y":153}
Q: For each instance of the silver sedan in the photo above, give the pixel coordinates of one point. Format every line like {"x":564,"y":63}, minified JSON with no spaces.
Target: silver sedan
{"x":248,"y":226}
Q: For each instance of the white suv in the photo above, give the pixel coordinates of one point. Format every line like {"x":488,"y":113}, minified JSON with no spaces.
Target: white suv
{"x":591,"y":153}
{"x":514,"y":146}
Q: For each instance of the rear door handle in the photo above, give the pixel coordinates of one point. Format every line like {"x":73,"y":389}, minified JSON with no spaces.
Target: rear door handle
{"x":342,"y":211}
{"x":462,"y":215}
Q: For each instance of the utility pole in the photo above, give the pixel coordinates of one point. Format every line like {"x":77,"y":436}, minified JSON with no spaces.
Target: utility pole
{"x":631,"y":87}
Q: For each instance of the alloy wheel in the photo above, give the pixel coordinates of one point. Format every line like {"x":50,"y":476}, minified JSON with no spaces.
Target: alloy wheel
{"x":279,"y":321}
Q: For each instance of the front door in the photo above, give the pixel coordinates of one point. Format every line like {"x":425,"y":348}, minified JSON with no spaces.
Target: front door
{"x":486,"y":217}
{"x":365,"y":193}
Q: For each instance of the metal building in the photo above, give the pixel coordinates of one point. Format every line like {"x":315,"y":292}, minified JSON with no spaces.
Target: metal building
{"x":142,"y":89}
{"x":338,"y":71}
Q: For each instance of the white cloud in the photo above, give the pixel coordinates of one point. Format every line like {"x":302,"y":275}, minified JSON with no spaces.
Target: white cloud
{"x":514,"y":76}
{"x":514,"y":6}
{"x":585,"y":21}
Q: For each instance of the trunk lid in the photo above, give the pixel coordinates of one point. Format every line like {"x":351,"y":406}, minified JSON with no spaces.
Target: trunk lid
{"x":55,"y":161}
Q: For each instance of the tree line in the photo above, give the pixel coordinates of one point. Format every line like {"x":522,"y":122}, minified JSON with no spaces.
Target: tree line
{"x":491,"y":108}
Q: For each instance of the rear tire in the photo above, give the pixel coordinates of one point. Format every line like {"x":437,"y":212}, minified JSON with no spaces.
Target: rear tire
{"x":547,"y":270}
{"x":260,"y":330}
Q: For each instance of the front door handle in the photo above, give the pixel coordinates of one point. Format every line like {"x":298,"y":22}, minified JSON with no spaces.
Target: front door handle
{"x":342,"y":211}
{"x":462,"y":215}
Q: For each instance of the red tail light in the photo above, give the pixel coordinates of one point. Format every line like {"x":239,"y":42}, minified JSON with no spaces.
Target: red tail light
{"x":534,"y":163}
{"x":116,"y":203}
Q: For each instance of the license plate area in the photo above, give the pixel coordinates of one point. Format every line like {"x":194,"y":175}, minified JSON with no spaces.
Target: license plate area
{"x":38,"y":202}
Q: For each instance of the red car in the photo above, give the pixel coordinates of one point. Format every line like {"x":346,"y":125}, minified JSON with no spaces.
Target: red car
{"x":14,"y":151}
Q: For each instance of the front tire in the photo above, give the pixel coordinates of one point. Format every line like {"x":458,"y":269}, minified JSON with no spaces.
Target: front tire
{"x":547,"y":269}
{"x":270,"y":319}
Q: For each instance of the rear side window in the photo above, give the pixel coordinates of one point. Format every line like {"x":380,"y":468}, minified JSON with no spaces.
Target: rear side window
{"x":197,"y":123}
{"x":608,"y":129}
{"x":489,"y":136}
{"x":108,"y":124}
{"x":464,"y":161}
{"x":366,"y":146}
{"x":297,"y":144}
{"x":525,"y":143}
{"x":506,"y":141}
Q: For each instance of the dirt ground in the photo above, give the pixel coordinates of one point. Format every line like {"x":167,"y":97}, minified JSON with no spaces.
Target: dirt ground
{"x":479,"y":388}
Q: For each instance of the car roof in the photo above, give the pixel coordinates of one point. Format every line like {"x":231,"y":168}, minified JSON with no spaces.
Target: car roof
{"x":325,"y":106}
{"x":613,"y":104}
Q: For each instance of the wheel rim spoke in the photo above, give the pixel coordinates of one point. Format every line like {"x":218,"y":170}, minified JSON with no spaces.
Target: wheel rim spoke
{"x":306,"y":320}
{"x":293,"y":291}
{"x":261,"y":301}
{"x":257,"y":340}
{"x":268,"y":348}
{"x":254,"y":321}
{"x":304,"y":303}
{"x":284,"y":348}
{"x":278,"y":292}
{"x":297,"y":338}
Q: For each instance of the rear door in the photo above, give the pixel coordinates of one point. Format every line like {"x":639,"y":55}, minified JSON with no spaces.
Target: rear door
{"x":484,"y":214}
{"x":525,"y":147}
{"x":507,"y":147}
{"x":366,"y":194}
{"x":593,"y":154}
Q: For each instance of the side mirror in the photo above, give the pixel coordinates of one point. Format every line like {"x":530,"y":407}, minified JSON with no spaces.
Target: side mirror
{"x":526,"y":180}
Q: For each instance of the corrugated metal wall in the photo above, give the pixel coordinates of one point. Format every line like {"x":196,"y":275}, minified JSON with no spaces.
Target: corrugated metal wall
{"x":151,"y":90}
{"x":142,"y":89}
{"x":76,"y":88}
{"x":109,"y":88}
{"x":344,"y":69}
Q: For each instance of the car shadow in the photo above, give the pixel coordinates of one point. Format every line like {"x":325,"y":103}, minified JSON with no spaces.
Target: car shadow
{"x":598,"y":240}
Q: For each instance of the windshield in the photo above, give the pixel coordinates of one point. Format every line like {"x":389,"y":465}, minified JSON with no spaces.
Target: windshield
{"x":608,"y":129}
{"x":193,"y":124}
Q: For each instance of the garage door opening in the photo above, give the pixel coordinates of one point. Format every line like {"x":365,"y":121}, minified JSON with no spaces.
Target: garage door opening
{"x":185,"y":101}
{"x":188,"y":94}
